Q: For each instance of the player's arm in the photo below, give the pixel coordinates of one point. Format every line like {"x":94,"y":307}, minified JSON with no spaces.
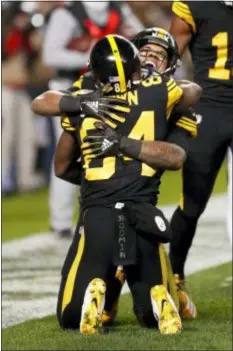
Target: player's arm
{"x":65,"y":163}
{"x":191,"y":95}
{"x":156,"y":154}
{"x":182,"y":129}
{"x":55,"y":103}
{"x":181,"y":96}
{"x":182,"y":33}
{"x":51,"y":103}
{"x":183,"y":24}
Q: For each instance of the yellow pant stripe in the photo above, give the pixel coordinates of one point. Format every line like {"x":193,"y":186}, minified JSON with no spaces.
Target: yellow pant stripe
{"x":69,"y":287}
{"x":182,"y":191}
{"x":167,"y":274}
{"x":119,"y":65}
{"x":163,"y":264}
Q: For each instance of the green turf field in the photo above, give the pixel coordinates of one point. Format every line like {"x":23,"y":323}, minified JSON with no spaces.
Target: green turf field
{"x":26,"y":214}
{"x":211,"y":331}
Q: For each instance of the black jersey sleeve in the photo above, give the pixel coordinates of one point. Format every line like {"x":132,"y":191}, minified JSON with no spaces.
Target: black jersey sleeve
{"x":84,"y":84}
{"x":182,"y":128}
{"x":186,"y":121}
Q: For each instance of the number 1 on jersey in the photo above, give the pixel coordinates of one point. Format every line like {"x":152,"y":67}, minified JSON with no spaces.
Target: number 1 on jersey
{"x":219,"y":71}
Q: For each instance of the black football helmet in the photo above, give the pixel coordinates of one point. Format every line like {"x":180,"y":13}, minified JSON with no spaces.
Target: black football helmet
{"x":163,"y":38}
{"x":113,"y":61}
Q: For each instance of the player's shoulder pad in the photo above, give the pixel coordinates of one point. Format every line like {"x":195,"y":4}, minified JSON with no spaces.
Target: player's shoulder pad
{"x":188,"y":11}
{"x":188,"y":121}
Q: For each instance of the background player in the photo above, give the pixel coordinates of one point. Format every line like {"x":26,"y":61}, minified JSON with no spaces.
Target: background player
{"x":208,"y":32}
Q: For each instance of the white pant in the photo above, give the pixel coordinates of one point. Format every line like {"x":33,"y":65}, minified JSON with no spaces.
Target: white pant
{"x":229,"y":209}
{"x":62,"y":195}
{"x":18,"y":135}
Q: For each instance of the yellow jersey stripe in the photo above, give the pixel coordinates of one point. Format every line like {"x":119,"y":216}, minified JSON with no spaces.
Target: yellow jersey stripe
{"x":190,"y":129}
{"x":170,"y":82}
{"x":186,"y":124}
{"x":182,"y":10}
{"x":174,"y":96}
{"x":172,"y":86}
{"x":189,"y":120}
{"x":119,"y":65}
{"x":69,"y":287}
{"x":183,"y":7}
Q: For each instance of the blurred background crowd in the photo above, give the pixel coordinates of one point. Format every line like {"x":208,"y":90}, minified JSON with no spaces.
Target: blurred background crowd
{"x":28,"y":140}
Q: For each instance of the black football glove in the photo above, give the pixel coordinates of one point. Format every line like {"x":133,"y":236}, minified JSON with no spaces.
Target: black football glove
{"x":109,"y":109}
{"x":104,"y":141}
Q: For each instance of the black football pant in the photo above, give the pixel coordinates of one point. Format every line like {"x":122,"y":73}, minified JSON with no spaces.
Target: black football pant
{"x":205,"y":158}
{"x":91,"y":256}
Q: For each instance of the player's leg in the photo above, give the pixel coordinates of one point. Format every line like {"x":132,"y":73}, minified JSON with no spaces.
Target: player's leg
{"x":206,"y":155}
{"x":62,"y":197}
{"x":86,"y":271}
{"x":115,"y":283}
{"x":229,"y":192}
{"x":153,"y":305}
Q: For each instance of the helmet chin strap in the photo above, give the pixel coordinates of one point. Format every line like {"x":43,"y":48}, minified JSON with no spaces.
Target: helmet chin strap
{"x":150,"y":70}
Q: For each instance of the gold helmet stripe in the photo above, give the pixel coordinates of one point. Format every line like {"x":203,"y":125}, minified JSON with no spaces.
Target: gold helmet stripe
{"x":118,"y":61}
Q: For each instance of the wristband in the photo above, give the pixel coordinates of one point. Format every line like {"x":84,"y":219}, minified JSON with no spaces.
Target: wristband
{"x":130,"y":147}
{"x":70,"y":104}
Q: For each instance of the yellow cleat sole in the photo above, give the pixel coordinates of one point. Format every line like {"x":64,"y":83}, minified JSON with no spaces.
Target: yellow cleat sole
{"x":169,"y":321}
{"x":91,"y":319}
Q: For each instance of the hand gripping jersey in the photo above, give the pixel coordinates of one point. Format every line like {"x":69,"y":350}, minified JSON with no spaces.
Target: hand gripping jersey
{"x":211,"y":47}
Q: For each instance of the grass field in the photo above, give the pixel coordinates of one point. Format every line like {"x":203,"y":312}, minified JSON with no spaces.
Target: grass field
{"x":26,"y":214}
{"x":211,"y":331}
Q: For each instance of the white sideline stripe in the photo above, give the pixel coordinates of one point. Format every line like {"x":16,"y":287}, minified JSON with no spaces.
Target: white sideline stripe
{"x":31,"y":266}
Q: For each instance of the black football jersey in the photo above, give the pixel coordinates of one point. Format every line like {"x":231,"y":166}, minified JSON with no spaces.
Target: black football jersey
{"x":108,"y":180}
{"x":211,"y":47}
